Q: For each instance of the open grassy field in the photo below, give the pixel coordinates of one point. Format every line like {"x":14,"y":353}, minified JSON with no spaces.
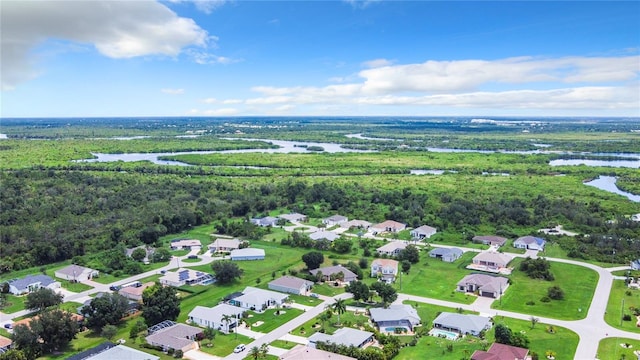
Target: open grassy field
{"x":348,"y":319}
{"x":616,"y":308}
{"x":270,"y":321}
{"x":577,"y":282}
{"x":616,"y":349}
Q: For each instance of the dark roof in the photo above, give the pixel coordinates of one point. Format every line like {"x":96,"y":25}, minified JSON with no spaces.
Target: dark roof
{"x":232,"y":296}
{"x":23,"y":283}
{"x":93,"y":351}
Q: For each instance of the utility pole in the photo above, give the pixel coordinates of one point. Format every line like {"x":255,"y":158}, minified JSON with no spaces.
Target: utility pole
{"x":622,"y":313}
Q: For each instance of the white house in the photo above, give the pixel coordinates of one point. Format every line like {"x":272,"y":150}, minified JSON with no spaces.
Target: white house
{"x":185,"y":244}
{"x":247,"y":254}
{"x":76,"y":273}
{"x":529,"y":243}
{"x":392,"y":248}
{"x":323,"y":235}
{"x":423,"y":232}
{"x":387,"y":226}
{"x":293,"y":217}
{"x":385,"y":269}
{"x":265,"y":221}
{"x":258,"y":299}
{"x":182,"y":277}
{"x":214,"y":317}
{"x":359,"y":224}
{"x":344,"y":336}
{"x":446,"y":254}
{"x":334,"y":220}
{"x":291,"y":284}
{"x":224,"y":245}
{"x":31,"y":283}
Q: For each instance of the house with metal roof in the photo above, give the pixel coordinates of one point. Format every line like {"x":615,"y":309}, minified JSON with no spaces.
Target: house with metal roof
{"x":345,"y":336}
{"x":396,"y":316}
{"x":32,"y":283}
{"x":213,"y":317}
{"x":247,"y":254}
{"x":291,"y":285}
{"x":462,"y":323}
{"x":483,"y":284}
{"x":446,"y":254}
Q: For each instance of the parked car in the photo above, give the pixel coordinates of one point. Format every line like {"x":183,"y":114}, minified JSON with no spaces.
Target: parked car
{"x":314,"y":295}
{"x":240,"y":348}
{"x":192,"y":257}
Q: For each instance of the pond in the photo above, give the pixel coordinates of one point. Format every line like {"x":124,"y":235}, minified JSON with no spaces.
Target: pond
{"x":608,"y":183}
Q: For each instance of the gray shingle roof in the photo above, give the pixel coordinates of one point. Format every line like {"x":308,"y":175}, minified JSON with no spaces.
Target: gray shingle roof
{"x":395,"y":312}
{"x":23,"y":283}
{"x":344,"y":336}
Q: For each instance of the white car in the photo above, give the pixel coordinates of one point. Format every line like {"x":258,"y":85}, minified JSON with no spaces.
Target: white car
{"x":240,"y":348}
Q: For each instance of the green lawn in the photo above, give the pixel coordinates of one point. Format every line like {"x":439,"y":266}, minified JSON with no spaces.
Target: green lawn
{"x":436,"y":279}
{"x":563,"y":341}
{"x":304,"y":300}
{"x":74,"y":286}
{"x":282,"y":344}
{"x":577,"y":282}
{"x":14,"y":304}
{"x":271,"y":321}
{"x":612,"y":349}
{"x":614,"y":313}
{"x":348,"y":319}
{"x":224,"y":344}
{"x":108,"y":278}
{"x":327,"y":290}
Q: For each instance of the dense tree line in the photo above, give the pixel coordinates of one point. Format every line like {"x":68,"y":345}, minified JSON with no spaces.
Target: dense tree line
{"x":48,"y":216}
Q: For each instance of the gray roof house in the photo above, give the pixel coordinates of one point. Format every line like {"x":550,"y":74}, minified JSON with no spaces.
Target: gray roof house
{"x":463,"y":324}
{"x":212,"y":317}
{"x":247,"y":254}
{"x":221,"y":244}
{"x":529,"y":243}
{"x":291,"y":284}
{"x":334,"y":220}
{"x":76,"y":273}
{"x":360,"y":224}
{"x":176,"y":337}
{"x":293,"y":217}
{"x":323,"y":235}
{"x":345,"y":336}
{"x":111,"y":352}
{"x":423,"y":232}
{"x":265,"y":221}
{"x":483,"y":284}
{"x":392,"y":248}
{"x":446,"y":254}
{"x":396,"y":316}
{"x":329,"y":272}
{"x":31,"y":283}
{"x":489,"y":240}
{"x":258,"y":299}
{"x":301,"y":352}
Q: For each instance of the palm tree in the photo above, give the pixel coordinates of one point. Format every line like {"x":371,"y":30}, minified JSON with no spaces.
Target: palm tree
{"x":227,"y":319}
{"x":264,"y":350}
{"x":340,"y":307}
{"x":255,"y":353}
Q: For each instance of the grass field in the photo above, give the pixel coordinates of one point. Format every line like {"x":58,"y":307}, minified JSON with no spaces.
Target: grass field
{"x":613,"y":349}
{"x":271,"y":321}
{"x":615,"y":310}
{"x":314,"y":325}
{"x":577,"y":282}
{"x":14,"y":304}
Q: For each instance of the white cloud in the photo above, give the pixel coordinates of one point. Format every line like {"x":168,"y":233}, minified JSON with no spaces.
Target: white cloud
{"x":205,"y":58}
{"x":206,"y":6}
{"x":221,"y":112}
{"x":172,"y":91}
{"x":117,"y":29}
{"x":376,"y":63}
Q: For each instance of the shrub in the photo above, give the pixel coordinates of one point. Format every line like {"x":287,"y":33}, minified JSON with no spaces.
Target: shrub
{"x":545,"y":299}
{"x":626,"y":317}
{"x":555,"y":293}
{"x":531,"y":303}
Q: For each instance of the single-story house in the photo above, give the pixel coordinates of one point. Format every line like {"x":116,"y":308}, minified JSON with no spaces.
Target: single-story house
{"x":224,"y":245}
{"x":323,"y":235}
{"x":329,"y":273}
{"x":529,"y":243}
{"x":291,"y":284}
{"x":174,"y":336}
{"x":293,"y":217}
{"x":76,"y":273}
{"x":134,"y":292}
{"x":385,"y":269}
{"x":182,"y":277}
{"x":461,"y":323}
{"x":301,"y":352}
{"x":258,"y":299}
{"x":392,"y":248}
{"x":147,"y":250}
{"x":492,"y":260}
{"x":110,"y":351}
{"x":396,"y":316}
{"x":247,"y":254}
{"x":213,"y":317}
{"x":483,"y":284}
{"x":446,"y":254}
{"x":184,"y":244}
{"x":31,"y":283}
{"x":359,"y":224}
{"x":635,"y":264}
{"x":499,"y":351}
{"x":265,"y":221}
{"x":334,"y":220}
{"x":388,"y":226}
{"x":489,"y":240}
{"x":345,"y":336}
{"x":423,"y":232}
{"x":5,"y":344}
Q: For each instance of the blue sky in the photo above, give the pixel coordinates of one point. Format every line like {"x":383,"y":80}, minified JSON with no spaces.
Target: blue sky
{"x":88,"y":58}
